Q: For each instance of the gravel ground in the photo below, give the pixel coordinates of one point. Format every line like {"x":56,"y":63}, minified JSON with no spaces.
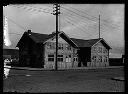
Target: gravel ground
{"x":64,"y":81}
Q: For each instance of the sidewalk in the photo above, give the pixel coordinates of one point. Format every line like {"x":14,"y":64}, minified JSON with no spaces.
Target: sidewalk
{"x":78,"y":68}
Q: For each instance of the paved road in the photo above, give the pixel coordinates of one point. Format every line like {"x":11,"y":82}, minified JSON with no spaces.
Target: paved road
{"x":98,"y":80}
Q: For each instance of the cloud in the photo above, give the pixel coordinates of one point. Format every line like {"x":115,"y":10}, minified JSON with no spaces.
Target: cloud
{"x":6,"y":35}
{"x":41,"y":22}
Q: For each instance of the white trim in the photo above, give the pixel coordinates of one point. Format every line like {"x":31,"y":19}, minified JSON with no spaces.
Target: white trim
{"x":106,"y":43}
{"x":59,"y":35}
{"x":69,"y":38}
{"x":100,"y":40}
{"x":95,"y":43}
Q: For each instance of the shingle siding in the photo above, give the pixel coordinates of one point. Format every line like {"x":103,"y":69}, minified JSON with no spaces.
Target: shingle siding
{"x":100,"y":51}
{"x":64,"y":52}
{"x":34,"y":51}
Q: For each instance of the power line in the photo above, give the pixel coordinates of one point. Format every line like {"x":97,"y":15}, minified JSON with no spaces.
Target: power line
{"x":69,"y":18}
{"x":92,"y":16}
{"x":40,"y":9}
{"x":80,"y":29}
{"x":82,"y":20}
{"x":75,"y":18}
{"x":15,"y":33}
{"x":15,"y":23}
{"x":78,"y":14}
{"x":77,"y":21}
{"x":31,"y":9}
{"x":77,"y":26}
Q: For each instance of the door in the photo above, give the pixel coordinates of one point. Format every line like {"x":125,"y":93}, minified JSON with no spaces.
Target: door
{"x":68,"y":63}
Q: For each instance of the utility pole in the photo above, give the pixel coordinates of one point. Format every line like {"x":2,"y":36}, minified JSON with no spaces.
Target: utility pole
{"x":56,"y":12}
{"x":99,"y":26}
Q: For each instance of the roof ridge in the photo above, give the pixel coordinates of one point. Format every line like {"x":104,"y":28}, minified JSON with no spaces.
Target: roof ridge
{"x":39,"y":33}
{"x":87,"y":39}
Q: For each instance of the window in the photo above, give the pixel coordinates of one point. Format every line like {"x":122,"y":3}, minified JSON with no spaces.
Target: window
{"x":51,"y":45}
{"x":105,"y":59}
{"x":75,"y":59}
{"x":100,"y":50}
{"x":94,"y":49}
{"x":68,"y":58}
{"x":60,"y":58}
{"x":50,"y":57}
{"x":100,"y":58}
{"x":94,"y":58}
{"x":103,"y":50}
{"x":68,"y":47}
{"x":60,"y":46}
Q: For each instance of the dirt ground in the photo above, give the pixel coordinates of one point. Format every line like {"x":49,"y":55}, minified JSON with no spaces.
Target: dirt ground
{"x":64,"y":81}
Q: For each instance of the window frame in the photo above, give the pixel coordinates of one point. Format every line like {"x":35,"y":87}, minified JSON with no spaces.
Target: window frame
{"x":60,"y":58}
{"x":51,"y":58}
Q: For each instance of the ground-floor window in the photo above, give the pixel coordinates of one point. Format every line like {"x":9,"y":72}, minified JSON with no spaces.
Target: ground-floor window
{"x":68,"y":58}
{"x":50,"y":57}
{"x":60,"y":58}
{"x":75,"y":59}
{"x":94,"y":58}
{"x":105,"y":59}
{"x":100,"y":58}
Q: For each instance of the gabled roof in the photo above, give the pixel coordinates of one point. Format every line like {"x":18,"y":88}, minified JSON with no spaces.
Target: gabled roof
{"x":42,"y":38}
{"x":89,"y":43}
{"x":85,"y":43}
{"x":39,"y":37}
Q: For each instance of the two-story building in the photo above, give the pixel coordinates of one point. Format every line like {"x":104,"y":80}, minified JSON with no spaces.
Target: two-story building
{"x":39,"y":50}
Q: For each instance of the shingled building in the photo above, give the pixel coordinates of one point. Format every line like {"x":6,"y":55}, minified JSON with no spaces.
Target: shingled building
{"x":38,"y":50}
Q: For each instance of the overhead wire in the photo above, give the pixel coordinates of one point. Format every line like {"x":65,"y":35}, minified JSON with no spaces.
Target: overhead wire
{"x":74,"y":19}
{"x":85,"y":20}
{"x":15,"y":33}
{"x":79,"y":18}
{"x":104,"y":21}
{"x":79,"y":14}
{"x":33,"y":9}
{"x":77,"y":26}
{"x":15,"y":23}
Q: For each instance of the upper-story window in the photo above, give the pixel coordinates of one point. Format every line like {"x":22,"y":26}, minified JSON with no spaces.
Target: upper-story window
{"x":68,"y":47}
{"x":100,"y":50}
{"x":94,"y":49}
{"x":105,"y":51}
{"x":60,"y":46}
{"x":50,"y":45}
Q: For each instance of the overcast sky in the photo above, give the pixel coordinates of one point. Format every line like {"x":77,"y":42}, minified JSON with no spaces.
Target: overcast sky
{"x":76,"y":20}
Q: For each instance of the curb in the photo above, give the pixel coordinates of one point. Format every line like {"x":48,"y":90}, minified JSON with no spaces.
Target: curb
{"x":40,"y":69}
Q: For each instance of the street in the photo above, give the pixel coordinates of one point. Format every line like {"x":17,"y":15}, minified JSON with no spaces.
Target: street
{"x":96,"y":80}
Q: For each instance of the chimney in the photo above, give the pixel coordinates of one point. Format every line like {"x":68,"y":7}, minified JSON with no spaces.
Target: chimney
{"x":53,"y":32}
{"x":29,"y":32}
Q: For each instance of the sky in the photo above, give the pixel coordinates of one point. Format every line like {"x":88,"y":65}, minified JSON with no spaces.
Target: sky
{"x":76,"y":20}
